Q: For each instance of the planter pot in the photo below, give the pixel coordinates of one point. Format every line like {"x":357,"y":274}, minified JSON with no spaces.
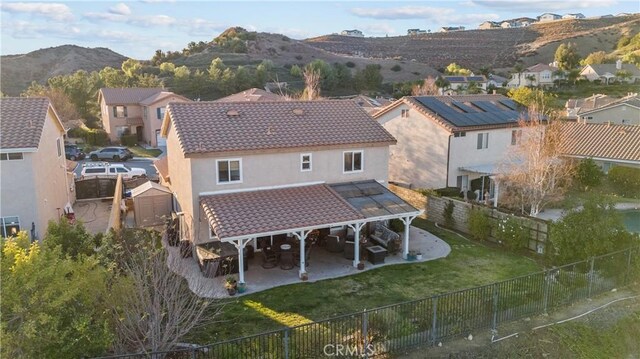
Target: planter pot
{"x":231,"y":291}
{"x":419,"y":257}
{"x":242,"y":287}
{"x":411,"y":257}
{"x":360,"y":266}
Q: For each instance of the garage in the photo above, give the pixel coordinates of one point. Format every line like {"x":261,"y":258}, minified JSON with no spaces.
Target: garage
{"x":152,"y":204}
{"x":160,"y":141}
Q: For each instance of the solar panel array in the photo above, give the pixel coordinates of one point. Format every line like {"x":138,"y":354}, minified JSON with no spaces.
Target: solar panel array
{"x":372,"y":199}
{"x":480,"y":114}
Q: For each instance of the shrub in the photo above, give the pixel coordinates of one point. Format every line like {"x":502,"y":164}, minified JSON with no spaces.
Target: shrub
{"x":588,"y":174}
{"x":479,"y":224}
{"x":428,"y":192}
{"x":626,"y":180}
{"x":449,"y":191}
{"x":129,"y":140}
{"x":396,"y":68}
{"x":512,"y":232}
{"x":396,"y":225}
{"x":447,"y":213}
{"x":350,"y":64}
{"x":298,"y":57}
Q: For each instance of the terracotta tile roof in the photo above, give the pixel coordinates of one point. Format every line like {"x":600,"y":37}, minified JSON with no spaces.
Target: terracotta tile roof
{"x":127,"y":96}
{"x":621,"y":142}
{"x":247,"y":213}
{"x":205,"y":127}
{"x":22,"y":121}
{"x":540,"y":68}
{"x":633,"y":100}
{"x":159,"y":96}
{"x":254,"y":95}
{"x":162,"y":165}
{"x":603,"y":69}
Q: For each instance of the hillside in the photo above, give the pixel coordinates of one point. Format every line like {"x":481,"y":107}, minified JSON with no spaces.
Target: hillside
{"x":18,"y":71}
{"x":495,"y":48}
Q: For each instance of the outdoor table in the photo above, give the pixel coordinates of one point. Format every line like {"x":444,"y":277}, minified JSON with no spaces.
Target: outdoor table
{"x":376,"y":254}
{"x":216,"y":259}
{"x":285,"y":247}
{"x":286,"y":256}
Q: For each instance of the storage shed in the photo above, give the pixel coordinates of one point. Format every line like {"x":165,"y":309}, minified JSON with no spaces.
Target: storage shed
{"x":152,"y":204}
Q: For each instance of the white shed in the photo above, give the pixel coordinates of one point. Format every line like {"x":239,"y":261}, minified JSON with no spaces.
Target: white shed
{"x":152,"y":204}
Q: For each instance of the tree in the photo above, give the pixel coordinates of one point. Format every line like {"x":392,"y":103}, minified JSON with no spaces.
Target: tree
{"x":113,"y":77}
{"x":312,"y":80}
{"x":442,"y":83}
{"x":427,"y":88}
{"x":518,"y":69}
{"x":263,"y":73}
{"x":473,"y":88}
{"x":531,"y":97}
{"x":243,"y":78}
{"x":369,"y":78}
{"x":531,"y":79}
{"x":588,"y":174}
{"x":598,"y":57}
{"x":567,"y":56}
{"x":65,"y":108}
{"x":216,"y":69}
{"x":52,"y":306}
{"x":325,"y":71}
{"x":592,"y":230}
{"x":131,"y":69}
{"x":534,"y":172}
{"x":295,"y":71}
{"x":73,"y":239}
{"x":455,"y":69}
{"x":342,"y":76}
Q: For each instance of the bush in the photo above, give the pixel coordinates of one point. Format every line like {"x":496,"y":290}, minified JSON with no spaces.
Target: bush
{"x":588,"y":174}
{"x":129,"y":140}
{"x":91,"y":137}
{"x":512,"y":233}
{"x":449,"y":191}
{"x":350,"y":64}
{"x":626,"y":180}
{"x":479,"y":224}
{"x":447,"y":213}
{"x":396,"y":68}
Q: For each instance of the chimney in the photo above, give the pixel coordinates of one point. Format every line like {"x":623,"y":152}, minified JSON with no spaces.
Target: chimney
{"x":619,"y":64}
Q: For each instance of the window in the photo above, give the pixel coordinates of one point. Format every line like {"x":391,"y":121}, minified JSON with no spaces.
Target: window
{"x":353,"y":161}
{"x":462,"y":182}
{"x":305,"y":162}
{"x":121,"y":170}
{"x":10,"y":226}
{"x":119,"y":111}
{"x":483,"y":140}
{"x":10,"y":156}
{"x":229,"y":171}
{"x":121,"y":130}
{"x":460,"y":134}
{"x":59,"y":148}
{"x":95,"y":170}
{"x":112,"y":170}
{"x":404,"y":113}
{"x":515,"y":137}
{"x":160,"y":113}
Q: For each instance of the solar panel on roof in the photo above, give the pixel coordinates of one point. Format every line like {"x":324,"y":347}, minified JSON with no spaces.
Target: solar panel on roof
{"x":463,"y":107}
{"x":485,"y":105}
{"x":455,"y":78}
{"x":475,"y":78}
{"x":493,"y":115}
{"x":510,"y":104}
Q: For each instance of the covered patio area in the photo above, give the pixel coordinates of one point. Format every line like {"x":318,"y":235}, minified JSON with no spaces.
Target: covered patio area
{"x":322,"y":265}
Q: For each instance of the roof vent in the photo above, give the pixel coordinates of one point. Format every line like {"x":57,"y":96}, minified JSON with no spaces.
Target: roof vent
{"x":233,"y":113}
{"x":298,"y":111}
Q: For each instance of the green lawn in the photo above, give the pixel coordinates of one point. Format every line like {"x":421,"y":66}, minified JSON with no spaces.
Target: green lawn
{"x":468,"y":265}
{"x":143,"y":152}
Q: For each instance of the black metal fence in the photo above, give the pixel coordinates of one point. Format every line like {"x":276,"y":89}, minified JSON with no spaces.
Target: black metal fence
{"x":427,"y":321}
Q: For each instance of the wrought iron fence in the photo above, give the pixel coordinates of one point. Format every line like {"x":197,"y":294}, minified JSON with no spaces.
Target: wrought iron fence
{"x":427,"y":321}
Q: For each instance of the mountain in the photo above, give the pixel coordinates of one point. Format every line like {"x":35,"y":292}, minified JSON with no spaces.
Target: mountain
{"x":494,"y":48}
{"x":18,"y":71}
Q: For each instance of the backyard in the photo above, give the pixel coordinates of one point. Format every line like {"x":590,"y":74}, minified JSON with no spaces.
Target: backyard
{"x":469,"y":264}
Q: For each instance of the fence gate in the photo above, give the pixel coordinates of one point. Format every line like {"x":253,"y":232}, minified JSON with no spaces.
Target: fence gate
{"x":95,"y":188}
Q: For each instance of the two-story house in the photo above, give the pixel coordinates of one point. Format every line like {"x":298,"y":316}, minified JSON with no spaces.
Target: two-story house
{"x":450,"y":141}
{"x":575,"y":106}
{"x":609,"y":73}
{"x":460,"y":84}
{"x":244,"y":172}
{"x":35,"y":184}
{"x":548,"y":16}
{"x":624,"y":111}
{"x":537,"y":75}
{"x":135,"y":110}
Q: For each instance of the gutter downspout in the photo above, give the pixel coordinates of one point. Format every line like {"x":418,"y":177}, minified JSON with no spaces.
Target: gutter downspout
{"x":448,"y":156}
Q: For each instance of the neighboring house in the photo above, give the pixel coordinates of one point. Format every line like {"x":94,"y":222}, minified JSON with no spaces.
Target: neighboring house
{"x":608,"y":145}
{"x":489,"y":25}
{"x":624,"y":111}
{"x":608,"y":73}
{"x":575,"y":106}
{"x":519,"y":22}
{"x":459,"y":84}
{"x":497,"y":81}
{"x":247,"y":172}
{"x":136,"y":111}
{"x":369,"y":104}
{"x":36,"y":187}
{"x":624,"y":14}
{"x":416,"y":32}
{"x":450,"y":141}
{"x":252,"y":95}
{"x":537,"y":75}
{"x":451,"y":28}
{"x":353,"y":33}
{"x":573,"y":16}
{"x":547,"y":16}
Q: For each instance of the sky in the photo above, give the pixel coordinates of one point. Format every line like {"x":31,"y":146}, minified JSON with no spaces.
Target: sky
{"x":137,"y":28}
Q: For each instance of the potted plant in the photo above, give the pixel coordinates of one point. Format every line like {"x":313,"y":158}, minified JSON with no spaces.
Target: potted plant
{"x":242,"y":287}
{"x":411,"y":256}
{"x":418,"y":255}
{"x":231,"y":285}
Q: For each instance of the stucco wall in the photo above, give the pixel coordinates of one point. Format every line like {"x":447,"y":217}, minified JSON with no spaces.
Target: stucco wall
{"x":180,"y":178}
{"x":110,"y":122}
{"x":17,"y":194}
{"x":615,"y":115}
{"x":419,"y":158}
{"x":152,"y":123}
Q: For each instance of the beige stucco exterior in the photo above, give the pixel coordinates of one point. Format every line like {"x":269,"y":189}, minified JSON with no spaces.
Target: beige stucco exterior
{"x":36,"y":188}
{"x":622,"y":114}
{"x":542,"y":78}
{"x":111,"y":123}
{"x":153,"y":124}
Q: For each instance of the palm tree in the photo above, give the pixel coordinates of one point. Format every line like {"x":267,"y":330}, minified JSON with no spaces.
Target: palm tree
{"x":518,"y":68}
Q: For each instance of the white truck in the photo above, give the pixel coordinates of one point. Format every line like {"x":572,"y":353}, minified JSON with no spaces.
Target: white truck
{"x":105,"y":169}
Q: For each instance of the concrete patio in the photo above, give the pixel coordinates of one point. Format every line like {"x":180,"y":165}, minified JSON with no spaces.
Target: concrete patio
{"x":321,"y":265}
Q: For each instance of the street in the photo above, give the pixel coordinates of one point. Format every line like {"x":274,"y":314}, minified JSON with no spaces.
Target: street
{"x":145,"y":163}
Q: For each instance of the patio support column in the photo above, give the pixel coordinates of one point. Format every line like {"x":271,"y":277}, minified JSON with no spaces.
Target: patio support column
{"x":302,"y":235}
{"x":496,"y":191}
{"x":405,"y":243}
{"x":240,"y":246}
{"x":356,"y":242}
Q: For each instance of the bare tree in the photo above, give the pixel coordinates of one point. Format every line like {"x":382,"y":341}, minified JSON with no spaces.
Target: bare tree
{"x":428,"y":88}
{"x":311,"y":84}
{"x":153,"y":307}
{"x":534,"y":172}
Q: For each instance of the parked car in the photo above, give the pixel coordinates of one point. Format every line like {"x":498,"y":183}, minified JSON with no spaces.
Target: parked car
{"x":73,"y":152}
{"x":111,"y":153}
{"x":105,"y":169}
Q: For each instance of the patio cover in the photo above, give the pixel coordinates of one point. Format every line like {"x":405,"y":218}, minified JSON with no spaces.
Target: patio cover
{"x":264,"y":212}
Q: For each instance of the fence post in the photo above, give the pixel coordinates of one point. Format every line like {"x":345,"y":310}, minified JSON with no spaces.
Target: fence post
{"x":434,"y":321}
{"x":590,"y":276}
{"x":364,"y":333}
{"x":494,"y":324}
{"x":286,"y":343}
{"x":547,"y":283}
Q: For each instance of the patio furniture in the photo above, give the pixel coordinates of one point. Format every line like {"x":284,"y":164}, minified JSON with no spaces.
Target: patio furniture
{"x":376,"y":254}
{"x":286,"y":258}
{"x":386,"y":238}
{"x":335,"y":244}
{"x":269,"y":258}
{"x":349,"y":249}
{"x":217,"y":258}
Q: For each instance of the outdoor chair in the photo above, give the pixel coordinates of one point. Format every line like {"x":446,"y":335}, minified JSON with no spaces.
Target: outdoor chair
{"x":269,"y":258}
{"x":335,"y":244}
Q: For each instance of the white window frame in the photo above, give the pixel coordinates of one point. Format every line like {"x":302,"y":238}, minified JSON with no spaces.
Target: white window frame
{"x":352,"y":155}
{"x":302,"y":162}
{"x":6,"y":156}
{"x":485,"y":141}
{"x":3,"y":225}
{"x":59,"y":146}
{"x":162,"y":111}
{"x":218,"y":171}
{"x":404,"y":113}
